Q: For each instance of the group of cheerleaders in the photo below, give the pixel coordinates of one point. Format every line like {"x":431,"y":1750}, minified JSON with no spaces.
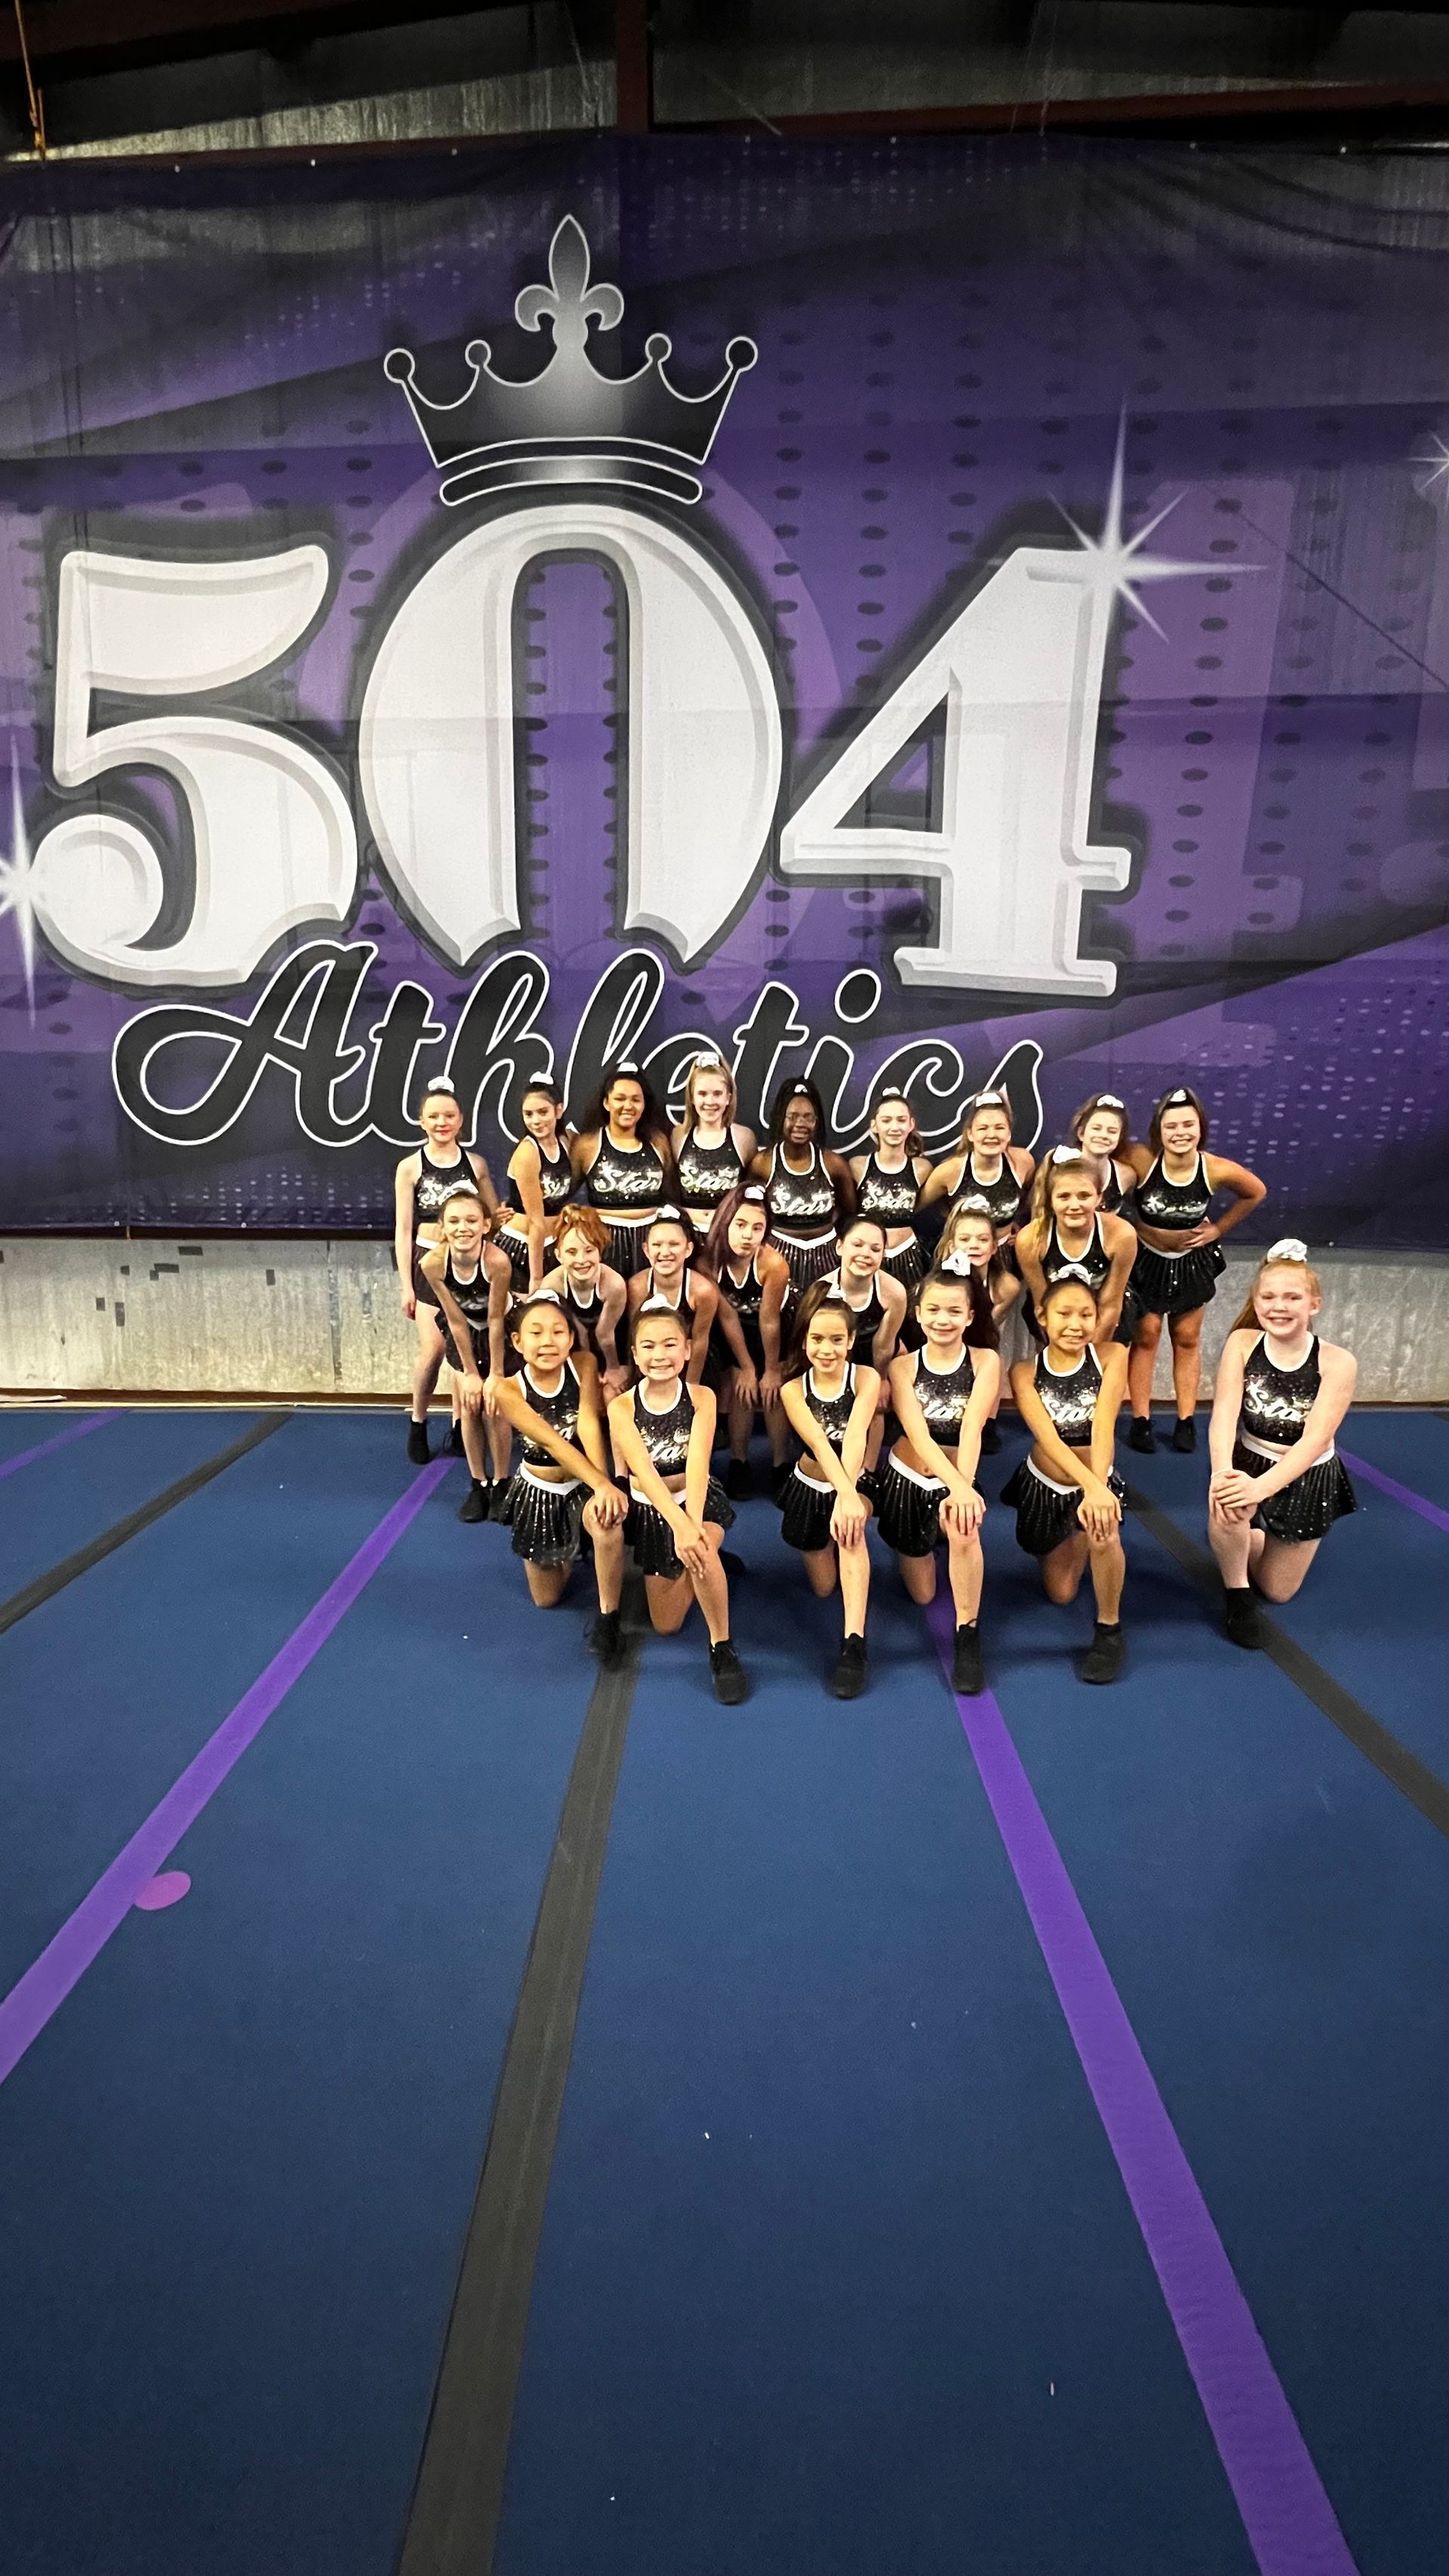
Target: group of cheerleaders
{"x":641,"y":1294}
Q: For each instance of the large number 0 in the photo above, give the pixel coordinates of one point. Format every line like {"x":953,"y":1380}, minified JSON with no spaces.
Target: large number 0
{"x":273,"y":837}
{"x":437,"y":735}
{"x":1019,"y":674}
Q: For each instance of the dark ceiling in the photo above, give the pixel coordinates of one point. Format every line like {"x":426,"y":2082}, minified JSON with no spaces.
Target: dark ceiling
{"x":225,"y":74}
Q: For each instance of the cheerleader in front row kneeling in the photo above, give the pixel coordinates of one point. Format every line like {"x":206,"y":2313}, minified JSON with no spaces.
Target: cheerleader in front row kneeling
{"x":663,"y":1433}
{"x":941,"y":1396}
{"x":829,"y":1402}
{"x":553,"y":1404}
{"x":1067,"y":1493}
{"x":1278,"y":1483}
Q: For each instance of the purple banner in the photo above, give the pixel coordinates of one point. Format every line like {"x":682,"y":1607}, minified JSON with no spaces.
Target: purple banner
{"x":904,"y":612}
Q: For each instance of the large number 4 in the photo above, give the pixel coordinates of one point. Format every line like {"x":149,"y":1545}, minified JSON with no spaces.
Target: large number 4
{"x":272,"y":834}
{"x":1019,"y":675}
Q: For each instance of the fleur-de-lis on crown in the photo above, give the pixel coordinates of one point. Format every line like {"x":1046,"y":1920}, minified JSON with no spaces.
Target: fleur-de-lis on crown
{"x":568,"y":301}
{"x":569,"y":423}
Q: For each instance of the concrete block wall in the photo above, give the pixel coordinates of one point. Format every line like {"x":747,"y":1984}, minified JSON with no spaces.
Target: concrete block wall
{"x":89,"y":1315}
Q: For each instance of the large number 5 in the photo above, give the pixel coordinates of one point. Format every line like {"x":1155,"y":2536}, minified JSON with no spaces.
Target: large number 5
{"x":273,"y":836}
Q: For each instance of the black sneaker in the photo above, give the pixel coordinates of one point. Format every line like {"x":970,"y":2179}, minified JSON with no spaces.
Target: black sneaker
{"x":1184,"y":1437}
{"x":1240,"y":1617}
{"x":734,"y":1566}
{"x":453,"y":1445}
{"x":606,"y":1638}
{"x":418,"y":1450}
{"x":727,"y":1674}
{"x":990,"y":1439}
{"x":848,"y":1679}
{"x":474,"y":1506}
{"x":779,"y":1478}
{"x":738,"y":1481}
{"x":498,"y":1493}
{"x":1140,"y":1435}
{"x":967,"y":1674}
{"x":1102,"y":1661}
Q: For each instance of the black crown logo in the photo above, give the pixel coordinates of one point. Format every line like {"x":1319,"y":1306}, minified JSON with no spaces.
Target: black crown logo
{"x":569,"y":424}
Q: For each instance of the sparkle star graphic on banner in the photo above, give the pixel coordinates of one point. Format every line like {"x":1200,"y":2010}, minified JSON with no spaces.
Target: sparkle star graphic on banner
{"x":17,"y":889}
{"x":1433,"y":483}
{"x":1119,"y":566}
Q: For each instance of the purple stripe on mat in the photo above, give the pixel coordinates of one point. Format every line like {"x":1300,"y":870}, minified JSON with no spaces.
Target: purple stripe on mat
{"x":1404,"y":1494}
{"x":42,"y":1990}
{"x":57,"y":1440}
{"x":1291,"y":2526}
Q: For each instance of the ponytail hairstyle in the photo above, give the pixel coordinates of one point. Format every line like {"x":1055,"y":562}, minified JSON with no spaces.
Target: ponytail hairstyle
{"x":1061,"y":1159}
{"x":440,"y":1088}
{"x":544,"y":1090}
{"x":676,"y":1217}
{"x":915,"y":1142}
{"x":579,"y":1218}
{"x":653,"y":1127}
{"x":845,"y":1225}
{"x":472,"y":1196}
{"x":1289,"y":1254}
{"x":1180,"y":1098}
{"x":798,"y":1090}
{"x":984,"y":1100}
{"x":709,"y":1062}
{"x":998,"y":1269}
{"x":1112,"y":1106}
{"x":716,"y":1249}
{"x":819,"y":1298}
{"x":955,"y":1271}
{"x":537,"y":1299}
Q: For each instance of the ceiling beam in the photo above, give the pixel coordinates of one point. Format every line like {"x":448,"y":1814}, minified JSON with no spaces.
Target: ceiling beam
{"x":72,"y":38}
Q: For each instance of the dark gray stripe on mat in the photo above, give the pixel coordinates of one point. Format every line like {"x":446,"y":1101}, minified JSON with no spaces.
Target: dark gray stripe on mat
{"x":1402,"y":1769}
{"x":452,"y":2525}
{"x":46,"y":1586}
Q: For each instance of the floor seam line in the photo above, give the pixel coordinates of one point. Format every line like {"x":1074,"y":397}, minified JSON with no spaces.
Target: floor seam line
{"x":45,"y":1586}
{"x":1392,"y":1759}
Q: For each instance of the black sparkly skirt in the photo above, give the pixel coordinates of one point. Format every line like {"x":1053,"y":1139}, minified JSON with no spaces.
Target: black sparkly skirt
{"x":1130,"y":1317}
{"x":1176,"y":1286}
{"x":546,"y":1520}
{"x":907,"y":1513}
{"x":625,"y":1249}
{"x":516,"y":1247}
{"x":1045,"y":1519}
{"x":648,"y":1533}
{"x":1308,"y":1507}
{"x":806,"y":1511}
{"x":808,"y":1261}
{"x":907,"y":1263}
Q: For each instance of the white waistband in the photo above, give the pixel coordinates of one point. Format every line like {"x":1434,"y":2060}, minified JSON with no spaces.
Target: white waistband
{"x":1050,"y":1482}
{"x":548,"y":1484}
{"x":1266,"y":1449}
{"x":817,"y":1484}
{"x":913,"y":1476}
{"x":804,"y":1242}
